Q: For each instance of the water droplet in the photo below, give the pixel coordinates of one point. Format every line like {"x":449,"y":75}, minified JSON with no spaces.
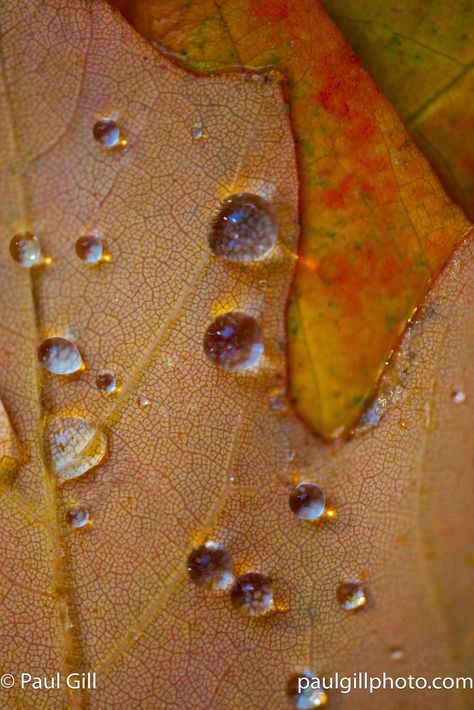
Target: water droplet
{"x":351,"y":596}
{"x":252,"y":594}
{"x":198,"y":133}
{"x":458,"y":396}
{"x":78,"y":516}
{"x":245,"y":228}
{"x":305,"y":691}
{"x":73,"y":446}
{"x":396,"y":654}
{"x":89,"y":248}
{"x":60,"y":356}
{"x":277,"y":400}
{"x":233,"y":341}
{"x":209,"y":565}
{"x":106,"y":382}
{"x":307,"y":501}
{"x":25,"y":249}
{"x":106,"y":131}
{"x":143,"y":401}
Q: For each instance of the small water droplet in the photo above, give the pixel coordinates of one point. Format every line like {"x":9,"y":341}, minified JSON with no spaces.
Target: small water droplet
{"x":306,"y":692}
{"x":25,"y":249}
{"x":209,"y":565}
{"x":233,"y":341}
{"x":89,"y":248}
{"x":106,"y":131}
{"x":245,"y":229}
{"x":307,"y":501}
{"x":458,"y":396}
{"x":78,"y":516}
{"x":252,"y":594}
{"x":396,"y":654}
{"x":351,"y":596}
{"x":60,"y":356}
{"x":106,"y":382}
{"x":73,"y":446}
{"x":277,"y":400}
{"x":198,"y":133}
{"x":143,"y":401}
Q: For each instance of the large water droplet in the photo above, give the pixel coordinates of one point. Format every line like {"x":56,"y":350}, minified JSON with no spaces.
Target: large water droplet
{"x":106,"y":382}
{"x":89,"y":248}
{"x":306,"y":692}
{"x":307,"y":501}
{"x":106,"y":131}
{"x":351,"y":596}
{"x":209,"y":565}
{"x":245,"y":228}
{"x":25,"y":249}
{"x":78,"y":516}
{"x":73,"y":446}
{"x":233,"y":341}
{"x":252,"y":594}
{"x":60,"y":356}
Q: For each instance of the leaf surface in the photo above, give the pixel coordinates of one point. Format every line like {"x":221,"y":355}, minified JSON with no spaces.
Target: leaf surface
{"x":376,"y":227}
{"x":420,"y":56}
{"x":206,"y":458}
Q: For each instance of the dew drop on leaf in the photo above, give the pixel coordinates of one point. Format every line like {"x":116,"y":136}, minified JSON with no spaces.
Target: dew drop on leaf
{"x":458,"y":396}
{"x":396,"y":654}
{"x":143,"y":400}
{"x":307,"y":501}
{"x":351,"y":596}
{"x":233,"y":341}
{"x":209,"y":565}
{"x":277,"y":400}
{"x":60,"y":356}
{"x":306,"y":698}
{"x":106,"y":382}
{"x":78,"y":516}
{"x":252,"y":594}
{"x":198,"y":133}
{"x":25,"y":249}
{"x":73,"y":446}
{"x":245,"y":228}
{"x":89,"y":248}
{"x":106,"y":131}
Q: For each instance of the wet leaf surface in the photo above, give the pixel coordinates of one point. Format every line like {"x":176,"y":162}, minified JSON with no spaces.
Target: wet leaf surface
{"x":375,"y":226}
{"x":94,"y":570}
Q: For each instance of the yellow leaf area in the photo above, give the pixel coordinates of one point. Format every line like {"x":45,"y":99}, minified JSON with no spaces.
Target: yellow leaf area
{"x":422,"y":57}
{"x":376,"y":227}
{"x":194,"y":453}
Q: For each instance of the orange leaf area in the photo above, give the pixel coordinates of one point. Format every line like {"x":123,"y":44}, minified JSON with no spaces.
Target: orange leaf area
{"x":376,"y":228}
{"x":94,"y":570}
{"x":420,"y":55}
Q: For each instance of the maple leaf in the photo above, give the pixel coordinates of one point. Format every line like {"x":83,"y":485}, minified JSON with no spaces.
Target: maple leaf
{"x":95,"y":567}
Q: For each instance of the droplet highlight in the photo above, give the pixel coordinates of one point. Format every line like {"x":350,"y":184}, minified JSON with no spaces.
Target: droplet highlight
{"x":458,"y":396}
{"x":73,"y":446}
{"x":25,"y":249}
{"x":210,"y":566}
{"x":60,"y":356}
{"x":252,"y":594}
{"x":233,"y":341}
{"x":307,"y":501}
{"x":143,"y":400}
{"x":245,"y":228}
{"x":305,"y":691}
{"x":106,"y":382}
{"x":89,"y":249}
{"x":351,"y":596}
{"x":78,"y":517}
{"x":106,"y":132}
